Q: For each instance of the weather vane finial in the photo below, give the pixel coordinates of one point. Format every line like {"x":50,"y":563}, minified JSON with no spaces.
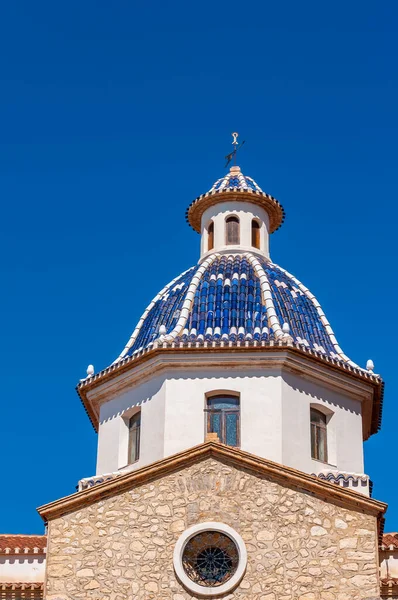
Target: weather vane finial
{"x":236,"y":145}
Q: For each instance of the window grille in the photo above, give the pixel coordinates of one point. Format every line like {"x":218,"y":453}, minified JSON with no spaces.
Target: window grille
{"x":223,"y":418}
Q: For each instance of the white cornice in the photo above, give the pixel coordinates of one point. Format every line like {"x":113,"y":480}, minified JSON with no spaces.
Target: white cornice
{"x":269,"y":361}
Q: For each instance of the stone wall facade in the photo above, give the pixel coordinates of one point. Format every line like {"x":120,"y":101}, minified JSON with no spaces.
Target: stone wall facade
{"x":299,"y":547}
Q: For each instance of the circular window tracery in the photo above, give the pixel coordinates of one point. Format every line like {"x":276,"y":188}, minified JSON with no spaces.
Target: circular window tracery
{"x":210,"y":559}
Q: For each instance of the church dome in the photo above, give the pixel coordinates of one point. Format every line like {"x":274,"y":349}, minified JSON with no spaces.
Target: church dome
{"x":235,"y":298}
{"x":235,"y":347}
{"x":235,"y":186}
{"x":236,"y":294}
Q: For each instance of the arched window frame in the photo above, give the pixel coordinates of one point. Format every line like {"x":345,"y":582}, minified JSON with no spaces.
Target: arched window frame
{"x":134,"y":445}
{"x":319,"y":434}
{"x":256,"y":234}
{"x":225,"y":421}
{"x":210,"y":236}
{"x":232,"y":230}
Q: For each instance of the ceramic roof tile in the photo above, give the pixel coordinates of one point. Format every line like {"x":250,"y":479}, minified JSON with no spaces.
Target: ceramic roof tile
{"x":390,"y":540}
{"x":228,"y":302}
{"x":235,"y":180}
{"x":18,"y":543}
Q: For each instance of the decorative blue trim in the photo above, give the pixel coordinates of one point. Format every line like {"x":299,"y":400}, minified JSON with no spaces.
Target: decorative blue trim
{"x":235,"y":181}
{"x":228,"y":304}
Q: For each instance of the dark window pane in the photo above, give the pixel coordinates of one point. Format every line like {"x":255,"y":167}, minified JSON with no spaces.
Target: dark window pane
{"x":231,"y":427}
{"x":135,"y":420}
{"x":232,"y":230}
{"x":223,"y":418}
{"x":221,"y":402}
{"x":322,"y":455}
{"x":255,"y":234}
{"x":134,"y":437}
{"x":318,"y":436}
{"x":210,"y":233}
{"x":215,"y":424}
{"x":317,"y":416}
{"x":313,"y":441}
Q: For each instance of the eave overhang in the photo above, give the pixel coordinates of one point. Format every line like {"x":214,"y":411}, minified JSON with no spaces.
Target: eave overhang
{"x":389,"y":587}
{"x":295,"y":357}
{"x":240,"y":459}
{"x":271,"y":205}
{"x":22,"y":545}
{"x":21,"y":587}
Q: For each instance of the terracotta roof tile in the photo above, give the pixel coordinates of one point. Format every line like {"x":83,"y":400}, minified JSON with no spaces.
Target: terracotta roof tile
{"x":390,"y":539}
{"x":21,"y":585}
{"x":11,"y":543}
{"x":391,"y":583}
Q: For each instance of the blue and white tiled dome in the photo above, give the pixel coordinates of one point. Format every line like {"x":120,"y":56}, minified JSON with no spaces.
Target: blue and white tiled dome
{"x":236,"y":298}
{"x":235,"y":180}
{"x":235,"y":186}
{"x":234,"y":305}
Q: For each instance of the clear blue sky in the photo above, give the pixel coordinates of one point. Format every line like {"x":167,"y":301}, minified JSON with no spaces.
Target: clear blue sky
{"x":116,"y":115}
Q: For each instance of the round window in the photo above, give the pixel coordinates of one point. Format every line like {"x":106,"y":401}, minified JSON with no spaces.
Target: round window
{"x":210,"y":559}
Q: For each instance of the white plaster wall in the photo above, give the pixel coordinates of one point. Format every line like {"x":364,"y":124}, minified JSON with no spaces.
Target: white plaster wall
{"x":275,"y":418}
{"x":149,"y":397}
{"x":22,"y":567}
{"x":246,"y":212}
{"x":389,"y":564}
{"x":260,"y":407}
{"x":344,"y":429}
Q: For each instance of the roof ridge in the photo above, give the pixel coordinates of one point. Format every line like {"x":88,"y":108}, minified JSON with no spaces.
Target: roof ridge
{"x":321,"y":314}
{"x":23,"y":535}
{"x":236,"y":457}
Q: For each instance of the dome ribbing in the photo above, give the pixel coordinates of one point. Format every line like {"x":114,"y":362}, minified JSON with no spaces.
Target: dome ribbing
{"x":235,"y":186}
{"x":235,"y":297}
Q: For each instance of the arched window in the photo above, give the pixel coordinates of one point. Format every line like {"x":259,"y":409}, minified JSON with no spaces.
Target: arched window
{"x":223,"y":418}
{"x":134,"y":437}
{"x":232,"y":231}
{"x":255,"y":234}
{"x":210,"y":236}
{"x":319,"y":449}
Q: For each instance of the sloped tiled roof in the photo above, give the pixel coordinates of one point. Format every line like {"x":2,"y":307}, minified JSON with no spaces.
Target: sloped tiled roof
{"x":261,"y":467}
{"x":21,"y":590}
{"x":236,"y":297}
{"x":389,"y":587}
{"x":20,"y":585}
{"x":235,"y":185}
{"x":390,"y":541}
{"x":23,"y":544}
{"x":235,"y":180}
